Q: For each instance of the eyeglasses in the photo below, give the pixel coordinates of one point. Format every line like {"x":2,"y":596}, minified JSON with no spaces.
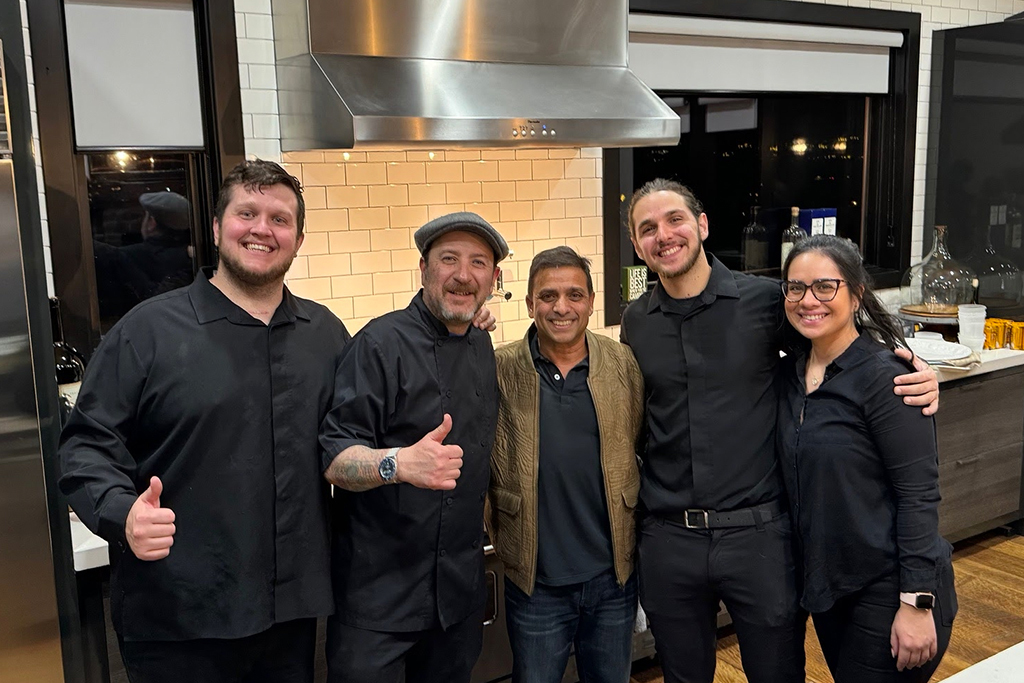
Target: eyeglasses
{"x":824,"y":289}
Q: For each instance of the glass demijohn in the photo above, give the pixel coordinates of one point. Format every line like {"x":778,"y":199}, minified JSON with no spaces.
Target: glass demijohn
{"x":939,"y":284}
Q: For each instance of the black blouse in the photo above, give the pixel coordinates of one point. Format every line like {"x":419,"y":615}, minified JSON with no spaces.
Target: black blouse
{"x":861,"y":471}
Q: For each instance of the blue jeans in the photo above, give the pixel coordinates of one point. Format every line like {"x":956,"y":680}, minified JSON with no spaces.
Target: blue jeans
{"x":596,"y":617}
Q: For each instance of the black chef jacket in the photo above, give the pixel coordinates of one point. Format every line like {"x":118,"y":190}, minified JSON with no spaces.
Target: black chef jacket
{"x":226,"y":411}
{"x":862,"y":475}
{"x":404,"y":558}
{"x":709,"y":371}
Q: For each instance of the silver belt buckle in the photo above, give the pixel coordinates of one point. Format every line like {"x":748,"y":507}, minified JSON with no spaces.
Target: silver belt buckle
{"x":701,"y":515}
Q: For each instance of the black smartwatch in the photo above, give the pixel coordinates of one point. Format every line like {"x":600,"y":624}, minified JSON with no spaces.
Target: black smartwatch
{"x":388,"y":467}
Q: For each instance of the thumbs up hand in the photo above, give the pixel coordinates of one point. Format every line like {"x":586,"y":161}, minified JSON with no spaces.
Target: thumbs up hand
{"x":429,"y":463}
{"x":149,"y":528}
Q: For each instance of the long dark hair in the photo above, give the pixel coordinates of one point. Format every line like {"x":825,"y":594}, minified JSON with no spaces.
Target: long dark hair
{"x":871,"y":315}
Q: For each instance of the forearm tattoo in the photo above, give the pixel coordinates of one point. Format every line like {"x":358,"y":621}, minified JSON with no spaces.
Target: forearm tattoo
{"x":356,"y":469}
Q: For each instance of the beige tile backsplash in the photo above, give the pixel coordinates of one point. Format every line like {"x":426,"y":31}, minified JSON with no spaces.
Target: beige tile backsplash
{"x":362,"y":208}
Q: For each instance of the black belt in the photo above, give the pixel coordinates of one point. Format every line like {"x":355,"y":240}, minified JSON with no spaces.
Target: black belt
{"x":711,"y":519}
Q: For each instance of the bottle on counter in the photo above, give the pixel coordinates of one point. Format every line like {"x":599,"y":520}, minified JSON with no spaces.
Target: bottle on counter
{"x":68,"y":363}
{"x":792,"y":234}
{"x":754,"y":243}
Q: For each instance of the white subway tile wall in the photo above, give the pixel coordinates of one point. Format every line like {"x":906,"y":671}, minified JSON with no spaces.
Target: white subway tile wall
{"x":362,"y":208}
{"x":35,"y":148}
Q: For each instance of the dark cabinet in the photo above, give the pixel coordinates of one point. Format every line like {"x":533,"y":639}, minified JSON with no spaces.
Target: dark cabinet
{"x":981,"y":449}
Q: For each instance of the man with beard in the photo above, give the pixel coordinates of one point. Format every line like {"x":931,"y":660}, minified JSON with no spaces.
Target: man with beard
{"x":713,"y":522}
{"x":193,"y":451}
{"x":409,"y":438}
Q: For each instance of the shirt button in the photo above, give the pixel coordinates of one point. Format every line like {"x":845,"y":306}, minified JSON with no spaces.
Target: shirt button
{"x":476,"y":544}
{"x":477,"y":392}
{"x":441,"y":553}
{"x":440,"y":342}
{"x":483,"y":444}
{"x":448,"y":394}
{"x":556,"y":376}
{"x":482,"y":496}
{"x":449,"y":500}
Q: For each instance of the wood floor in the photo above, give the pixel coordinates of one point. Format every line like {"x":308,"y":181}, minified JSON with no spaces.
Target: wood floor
{"x":990,"y":587}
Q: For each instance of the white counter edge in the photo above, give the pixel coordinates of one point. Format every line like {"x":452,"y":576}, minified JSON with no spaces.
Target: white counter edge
{"x":90,"y":550}
{"x":991,"y":361}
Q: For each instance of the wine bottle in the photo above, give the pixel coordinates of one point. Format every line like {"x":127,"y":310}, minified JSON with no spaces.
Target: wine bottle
{"x":791,"y":235}
{"x":69,"y":365}
{"x":754,"y":243}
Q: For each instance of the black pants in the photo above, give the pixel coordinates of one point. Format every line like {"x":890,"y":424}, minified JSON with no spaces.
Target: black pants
{"x":356,"y":655}
{"x":683,"y":574}
{"x":281,"y":654}
{"x":854,"y":634}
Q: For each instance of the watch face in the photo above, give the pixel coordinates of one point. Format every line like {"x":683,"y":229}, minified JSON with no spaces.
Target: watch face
{"x":925,"y":602}
{"x":387,"y":469}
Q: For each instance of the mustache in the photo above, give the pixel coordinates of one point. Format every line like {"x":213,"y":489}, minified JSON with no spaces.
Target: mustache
{"x":461,"y":290}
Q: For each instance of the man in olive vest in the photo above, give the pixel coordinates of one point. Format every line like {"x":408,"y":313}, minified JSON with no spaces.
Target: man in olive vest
{"x":564,"y":482}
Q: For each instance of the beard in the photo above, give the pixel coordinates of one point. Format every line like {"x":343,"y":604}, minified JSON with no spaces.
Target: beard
{"x":250,"y":278}
{"x":684,"y":267}
{"x":436,"y":303}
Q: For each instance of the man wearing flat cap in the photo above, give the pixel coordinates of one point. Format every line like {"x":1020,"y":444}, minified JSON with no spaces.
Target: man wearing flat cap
{"x":408,"y":439}
{"x":127,"y":275}
{"x":163,"y":253}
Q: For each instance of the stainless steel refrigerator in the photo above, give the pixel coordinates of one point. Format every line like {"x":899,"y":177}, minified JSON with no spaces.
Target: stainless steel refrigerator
{"x":30,"y":641}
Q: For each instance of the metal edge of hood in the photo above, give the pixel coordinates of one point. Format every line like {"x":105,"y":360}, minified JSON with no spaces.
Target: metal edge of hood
{"x":330,"y":101}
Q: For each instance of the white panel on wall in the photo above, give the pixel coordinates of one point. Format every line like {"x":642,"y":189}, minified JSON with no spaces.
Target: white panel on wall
{"x":134,"y":73}
{"x":719,"y":55}
{"x":670,"y":62}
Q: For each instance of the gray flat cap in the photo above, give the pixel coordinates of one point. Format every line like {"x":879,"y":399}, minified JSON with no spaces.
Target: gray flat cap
{"x":170,"y":209}
{"x":462,"y":221}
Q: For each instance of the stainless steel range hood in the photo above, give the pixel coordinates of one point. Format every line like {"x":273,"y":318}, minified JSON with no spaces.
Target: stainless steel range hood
{"x":461,"y":73}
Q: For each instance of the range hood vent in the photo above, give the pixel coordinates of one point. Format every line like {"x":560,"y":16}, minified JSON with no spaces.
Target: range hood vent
{"x":461,"y":73}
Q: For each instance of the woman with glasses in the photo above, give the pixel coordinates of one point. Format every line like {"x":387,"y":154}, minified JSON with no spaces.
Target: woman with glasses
{"x":861,"y":472}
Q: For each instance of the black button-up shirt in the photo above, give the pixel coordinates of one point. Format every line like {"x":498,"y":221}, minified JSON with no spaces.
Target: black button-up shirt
{"x":862,"y":475}
{"x":574,"y":540}
{"x":405,"y":558}
{"x":711,"y":393}
{"x":226,"y":411}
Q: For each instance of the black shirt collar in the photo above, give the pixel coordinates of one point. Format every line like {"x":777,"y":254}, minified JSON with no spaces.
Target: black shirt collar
{"x":720,"y":284}
{"x":538,"y":357}
{"x":212,"y":304}
{"x":863,"y":346}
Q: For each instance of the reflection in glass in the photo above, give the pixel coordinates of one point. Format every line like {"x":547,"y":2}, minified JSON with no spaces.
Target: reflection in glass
{"x":999,"y":281}
{"x":142,"y":228}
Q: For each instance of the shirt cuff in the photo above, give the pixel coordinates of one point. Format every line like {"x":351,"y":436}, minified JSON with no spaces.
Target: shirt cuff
{"x":332,"y":448}
{"x":113,"y":517}
{"x":919,"y":580}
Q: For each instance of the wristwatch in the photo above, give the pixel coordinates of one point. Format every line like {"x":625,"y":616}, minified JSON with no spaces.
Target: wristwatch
{"x":388,"y":467}
{"x":918,"y":600}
